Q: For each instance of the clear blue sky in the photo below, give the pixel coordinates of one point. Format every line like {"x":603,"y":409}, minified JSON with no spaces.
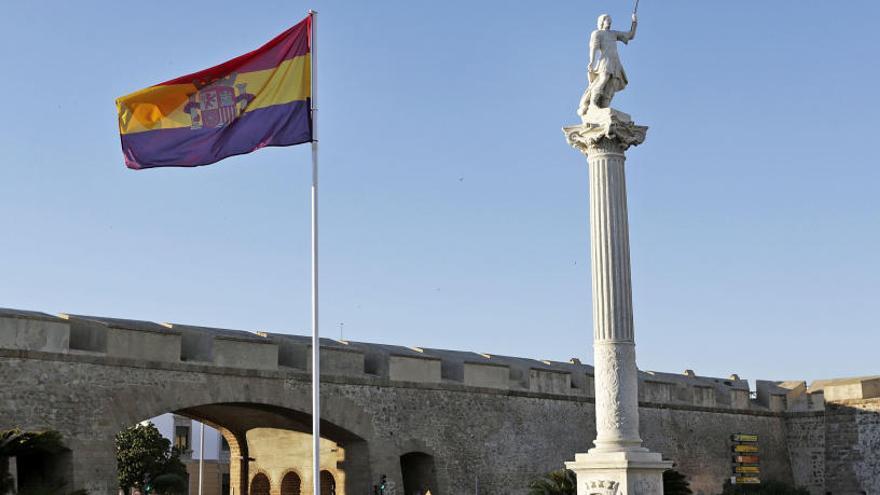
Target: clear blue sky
{"x":454,"y":214}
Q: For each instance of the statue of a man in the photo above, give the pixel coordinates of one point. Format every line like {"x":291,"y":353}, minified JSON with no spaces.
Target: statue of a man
{"x":607,"y":77}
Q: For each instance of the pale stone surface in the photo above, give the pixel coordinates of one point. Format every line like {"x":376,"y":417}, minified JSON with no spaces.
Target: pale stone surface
{"x":512,"y":434}
{"x":337,"y":361}
{"x":549,"y":381}
{"x":864,"y":389}
{"x":617,"y":416}
{"x":224,"y":347}
{"x":618,"y":459}
{"x":619,"y":473}
{"x":34,"y":333}
{"x":486,"y":375}
{"x":596,"y":115}
{"x":605,"y":72}
{"x":612,"y":136}
{"x":134,"y":344}
{"x":125,"y":338}
{"x":278,"y":452}
{"x":236,"y":353}
{"x":506,"y":437}
{"x":604,"y":141}
{"x":412,"y":369}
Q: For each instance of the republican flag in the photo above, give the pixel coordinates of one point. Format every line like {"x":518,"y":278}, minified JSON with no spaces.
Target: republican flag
{"x":259,"y":99}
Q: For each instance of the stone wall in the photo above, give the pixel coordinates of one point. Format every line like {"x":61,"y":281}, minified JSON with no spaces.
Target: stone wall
{"x":698,"y":440}
{"x":805,"y":437}
{"x":837,"y":451}
{"x":503,"y":438}
{"x":493,"y":420}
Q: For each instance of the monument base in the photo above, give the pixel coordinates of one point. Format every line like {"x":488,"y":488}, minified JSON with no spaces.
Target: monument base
{"x":619,"y":473}
{"x":605,"y":126}
{"x":596,"y":115}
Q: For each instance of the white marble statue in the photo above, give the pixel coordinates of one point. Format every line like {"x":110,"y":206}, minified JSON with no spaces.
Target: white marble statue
{"x":606,"y":75}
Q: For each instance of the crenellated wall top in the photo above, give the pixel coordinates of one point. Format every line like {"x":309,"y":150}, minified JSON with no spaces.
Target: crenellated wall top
{"x":163,"y":344}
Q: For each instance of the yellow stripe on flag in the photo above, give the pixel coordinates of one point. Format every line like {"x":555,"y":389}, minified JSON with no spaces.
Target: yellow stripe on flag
{"x":162,"y":107}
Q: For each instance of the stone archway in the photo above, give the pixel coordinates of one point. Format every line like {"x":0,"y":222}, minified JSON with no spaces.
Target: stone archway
{"x":291,"y":484}
{"x":110,"y":395}
{"x":260,"y":485}
{"x":237,"y":422}
{"x":419,"y":473}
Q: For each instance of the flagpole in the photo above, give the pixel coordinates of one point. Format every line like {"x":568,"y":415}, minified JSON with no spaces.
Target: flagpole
{"x":201,"y":454}
{"x":316,"y":342}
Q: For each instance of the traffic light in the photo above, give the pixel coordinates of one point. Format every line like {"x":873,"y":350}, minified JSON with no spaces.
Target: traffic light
{"x":382,"y":485}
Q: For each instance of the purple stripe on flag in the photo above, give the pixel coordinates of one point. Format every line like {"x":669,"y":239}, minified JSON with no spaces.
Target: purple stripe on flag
{"x":278,"y":125}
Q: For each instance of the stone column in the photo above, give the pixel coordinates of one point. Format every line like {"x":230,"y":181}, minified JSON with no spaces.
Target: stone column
{"x":618,"y":463}
{"x":239,"y":462}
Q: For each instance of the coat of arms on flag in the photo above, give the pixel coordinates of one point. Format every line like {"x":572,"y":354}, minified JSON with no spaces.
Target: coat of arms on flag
{"x":218,"y":103}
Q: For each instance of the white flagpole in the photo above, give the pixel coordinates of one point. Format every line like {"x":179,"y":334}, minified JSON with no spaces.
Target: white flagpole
{"x":316,"y":343}
{"x":201,"y":454}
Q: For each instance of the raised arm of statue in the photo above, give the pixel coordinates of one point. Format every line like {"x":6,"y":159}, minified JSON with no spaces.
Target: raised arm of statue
{"x":629,"y":36}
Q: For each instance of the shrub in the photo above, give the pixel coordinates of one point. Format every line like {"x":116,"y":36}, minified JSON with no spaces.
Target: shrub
{"x":559,"y":482}
{"x":170,"y":484}
{"x":675,"y":483}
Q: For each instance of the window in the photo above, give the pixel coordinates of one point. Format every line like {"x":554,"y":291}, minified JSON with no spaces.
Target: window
{"x":260,"y":485}
{"x":290,"y":484}
{"x":181,"y":438}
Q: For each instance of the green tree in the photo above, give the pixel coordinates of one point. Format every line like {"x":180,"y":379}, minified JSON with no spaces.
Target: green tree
{"x":559,"y":482}
{"x":143,"y":455}
{"x":675,"y":483}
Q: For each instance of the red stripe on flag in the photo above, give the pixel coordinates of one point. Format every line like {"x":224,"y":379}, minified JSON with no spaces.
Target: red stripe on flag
{"x":287,"y":45}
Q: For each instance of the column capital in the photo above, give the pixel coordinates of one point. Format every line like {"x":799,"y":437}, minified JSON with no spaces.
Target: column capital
{"x":605,"y":131}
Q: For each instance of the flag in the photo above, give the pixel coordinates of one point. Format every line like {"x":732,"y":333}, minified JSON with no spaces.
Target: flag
{"x":258,"y":99}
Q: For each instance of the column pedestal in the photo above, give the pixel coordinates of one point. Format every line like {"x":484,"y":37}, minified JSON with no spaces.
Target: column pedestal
{"x":619,"y":473}
{"x":618,"y":464}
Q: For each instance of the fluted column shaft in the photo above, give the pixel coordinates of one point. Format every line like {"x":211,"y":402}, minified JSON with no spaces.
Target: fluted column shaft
{"x":616,"y":379}
{"x":618,"y":464}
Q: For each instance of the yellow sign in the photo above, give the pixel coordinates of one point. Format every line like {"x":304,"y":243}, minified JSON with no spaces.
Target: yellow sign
{"x":742,"y":437}
{"x":747,"y":469}
{"x":745,"y":448}
{"x":745,"y":480}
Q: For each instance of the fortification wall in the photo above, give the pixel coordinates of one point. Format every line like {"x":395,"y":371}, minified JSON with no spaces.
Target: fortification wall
{"x":805,"y":437}
{"x":502,"y":438}
{"x":837,"y":451}
{"x":496,"y":420}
